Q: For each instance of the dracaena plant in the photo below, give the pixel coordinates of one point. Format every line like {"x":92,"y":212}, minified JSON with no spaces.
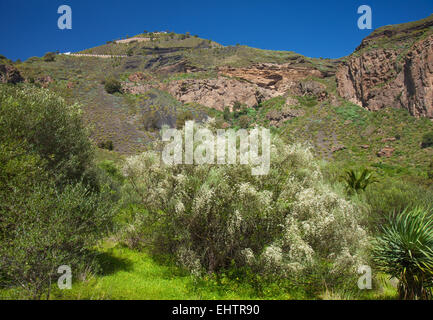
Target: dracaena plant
{"x":357,"y":181}
{"x":404,"y":250}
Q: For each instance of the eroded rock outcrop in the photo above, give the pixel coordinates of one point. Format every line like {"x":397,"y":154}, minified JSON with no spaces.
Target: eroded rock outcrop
{"x":218,"y":93}
{"x":398,"y":75}
{"x":249,"y":85}
{"x":271,"y":76}
{"x":9,"y":74}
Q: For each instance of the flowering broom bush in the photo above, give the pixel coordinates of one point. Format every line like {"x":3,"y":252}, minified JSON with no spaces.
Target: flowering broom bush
{"x":211,"y":217}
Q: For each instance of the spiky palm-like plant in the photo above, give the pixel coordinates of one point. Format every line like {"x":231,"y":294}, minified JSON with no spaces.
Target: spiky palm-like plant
{"x":357,"y":181}
{"x":404,"y":250}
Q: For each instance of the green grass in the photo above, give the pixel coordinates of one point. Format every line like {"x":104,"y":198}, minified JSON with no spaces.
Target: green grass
{"x":134,"y":275}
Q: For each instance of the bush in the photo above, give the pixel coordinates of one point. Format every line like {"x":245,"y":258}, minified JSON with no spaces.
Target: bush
{"x":49,"y":57}
{"x":237,"y":106}
{"x":108,"y":145}
{"x":183,"y":117}
{"x":45,"y":229}
{"x":40,"y":123}
{"x":244,"y":121}
{"x":358,"y":181}
{"x":52,"y":205}
{"x":394,"y":196}
{"x":211,"y":217}
{"x":427,"y":140}
{"x":112,"y":170}
{"x":404,"y":250}
{"x":227,"y":114}
{"x":112,"y":86}
{"x":151,"y":120}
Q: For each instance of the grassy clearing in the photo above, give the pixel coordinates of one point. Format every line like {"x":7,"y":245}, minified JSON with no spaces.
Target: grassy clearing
{"x":133,"y":275}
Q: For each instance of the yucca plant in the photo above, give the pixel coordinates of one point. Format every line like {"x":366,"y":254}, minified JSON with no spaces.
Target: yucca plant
{"x":404,"y":250}
{"x":357,"y":181}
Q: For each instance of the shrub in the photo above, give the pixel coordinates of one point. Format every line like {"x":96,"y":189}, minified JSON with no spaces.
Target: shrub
{"x":45,"y":229}
{"x":112,"y":86}
{"x":182,"y":117}
{"x":112,"y":170}
{"x":405,"y":250}
{"x":244,"y":121}
{"x":392,"y":195}
{"x":41,"y":124}
{"x":357,"y":181}
{"x":49,"y":57}
{"x":227,"y":114}
{"x":108,"y":145}
{"x":237,"y":106}
{"x":150,"y":120}
{"x":286,"y":223}
{"x":427,"y":140}
{"x":52,"y":206}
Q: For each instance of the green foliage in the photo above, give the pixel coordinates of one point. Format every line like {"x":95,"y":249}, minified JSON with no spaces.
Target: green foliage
{"x":183,"y":117}
{"x":211,"y":217}
{"x":41,"y":124}
{"x":430,"y":170}
{"x":308,"y":100}
{"x":357,"y":181}
{"x":227,"y":114}
{"x":150,"y":120}
{"x":352,"y":112}
{"x":394,"y":195}
{"x":53,"y":208}
{"x":108,"y":145}
{"x":244,"y":121}
{"x":404,"y":250}
{"x":49,"y":57}
{"x":110,"y":168}
{"x":237,"y":106}
{"x":112,"y":86}
{"x":46,"y":228}
{"x":427,"y":140}
{"x":130,"y":52}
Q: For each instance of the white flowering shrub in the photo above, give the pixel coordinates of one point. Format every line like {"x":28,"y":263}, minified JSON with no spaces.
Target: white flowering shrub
{"x":209,"y":216}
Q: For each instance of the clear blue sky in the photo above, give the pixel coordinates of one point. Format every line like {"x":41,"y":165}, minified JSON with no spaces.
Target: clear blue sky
{"x":325,"y":28}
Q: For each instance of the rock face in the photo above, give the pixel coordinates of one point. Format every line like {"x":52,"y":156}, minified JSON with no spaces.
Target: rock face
{"x":218,"y":93}
{"x":386,"y":152}
{"x":248,"y":85}
{"x":137,"y":77}
{"x":308,"y":88}
{"x":398,"y":75}
{"x":274,"y":77}
{"x":9,"y":74}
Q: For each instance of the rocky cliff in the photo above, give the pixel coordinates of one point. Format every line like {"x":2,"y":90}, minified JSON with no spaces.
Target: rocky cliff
{"x":247,"y":85}
{"x":393,"y":67}
{"x":9,"y":74}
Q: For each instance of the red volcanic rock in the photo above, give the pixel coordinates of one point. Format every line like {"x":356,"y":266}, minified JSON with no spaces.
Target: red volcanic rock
{"x":386,"y":152}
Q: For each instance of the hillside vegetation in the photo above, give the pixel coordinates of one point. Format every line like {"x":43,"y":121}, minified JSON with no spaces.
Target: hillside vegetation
{"x":81,"y":182}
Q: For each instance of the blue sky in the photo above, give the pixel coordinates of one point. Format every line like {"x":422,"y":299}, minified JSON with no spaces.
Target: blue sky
{"x":325,"y":28}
